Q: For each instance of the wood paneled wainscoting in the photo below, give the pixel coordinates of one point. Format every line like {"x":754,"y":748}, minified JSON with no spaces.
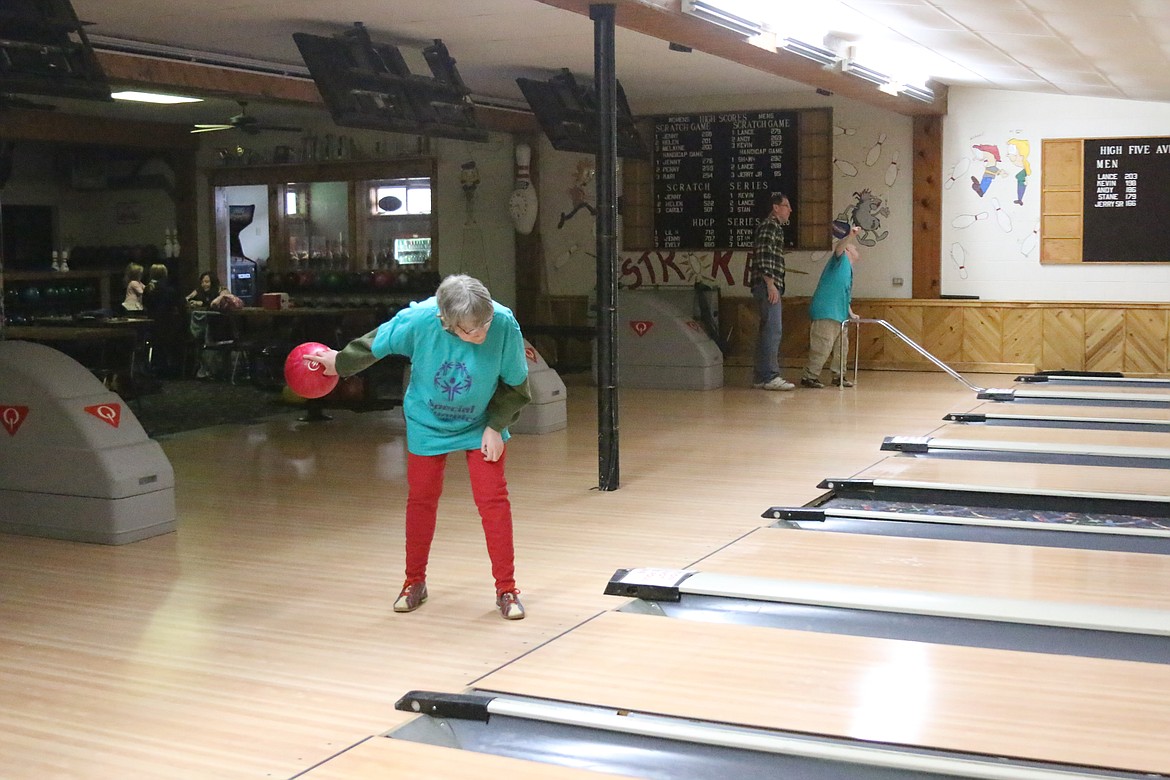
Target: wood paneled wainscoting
{"x":968,"y":335}
{"x":981,"y":335}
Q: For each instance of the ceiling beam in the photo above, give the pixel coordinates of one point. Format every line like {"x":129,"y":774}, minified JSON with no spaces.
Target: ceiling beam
{"x":196,"y":78}
{"x":22,"y":124}
{"x":664,"y":19}
{"x":205,"y":80}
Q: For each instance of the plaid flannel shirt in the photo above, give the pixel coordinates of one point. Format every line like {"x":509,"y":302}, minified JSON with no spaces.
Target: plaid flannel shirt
{"x":768,"y":254}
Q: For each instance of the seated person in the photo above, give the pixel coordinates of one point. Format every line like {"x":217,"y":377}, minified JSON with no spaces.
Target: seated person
{"x":132,"y":283}
{"x":206,"y":291}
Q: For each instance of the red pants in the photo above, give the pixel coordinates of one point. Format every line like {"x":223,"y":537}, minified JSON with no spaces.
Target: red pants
{"x":424,"y":476}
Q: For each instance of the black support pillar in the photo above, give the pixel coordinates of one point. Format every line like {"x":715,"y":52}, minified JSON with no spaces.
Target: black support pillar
{"x":605,"y":83}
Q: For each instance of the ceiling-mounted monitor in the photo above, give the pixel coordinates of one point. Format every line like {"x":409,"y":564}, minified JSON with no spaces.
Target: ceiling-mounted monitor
{"x":568,"y":113}
{"x":369,"y":85}
{"x":44,"y":51}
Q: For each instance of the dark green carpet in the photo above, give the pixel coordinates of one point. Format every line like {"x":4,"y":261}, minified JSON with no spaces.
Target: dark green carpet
{"x":178,"y":405}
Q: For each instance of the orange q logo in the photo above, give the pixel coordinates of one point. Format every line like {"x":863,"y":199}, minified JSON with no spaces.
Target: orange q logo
{"x":641,"y":327}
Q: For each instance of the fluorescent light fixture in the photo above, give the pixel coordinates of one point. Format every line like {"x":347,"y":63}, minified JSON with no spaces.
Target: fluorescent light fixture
{"x":925,"y":94}
{"x":153,"y":97}
{"x":815,"y":53}
{"x":864,"y":73}
{"x":711,"y":12}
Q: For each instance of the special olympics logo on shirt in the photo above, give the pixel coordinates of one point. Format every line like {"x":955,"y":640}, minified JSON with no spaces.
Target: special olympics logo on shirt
{"x":452,"y":379}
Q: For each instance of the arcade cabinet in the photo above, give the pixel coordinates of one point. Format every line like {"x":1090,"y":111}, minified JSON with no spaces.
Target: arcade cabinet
{"x":244,"y":271}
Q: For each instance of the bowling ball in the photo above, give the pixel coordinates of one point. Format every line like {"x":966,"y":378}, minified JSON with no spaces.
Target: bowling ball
{"x":382,"y":279}
{"x":307,"y":380}
{"x":349,"y":390}
{"x":289,"y":397}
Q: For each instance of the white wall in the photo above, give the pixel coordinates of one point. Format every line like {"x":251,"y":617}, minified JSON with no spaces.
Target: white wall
{"x":999,"y":252}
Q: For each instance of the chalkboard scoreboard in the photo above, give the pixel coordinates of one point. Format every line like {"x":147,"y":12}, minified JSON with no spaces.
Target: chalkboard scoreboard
{"x":713,"y":174}
{"x":1126,"y":200}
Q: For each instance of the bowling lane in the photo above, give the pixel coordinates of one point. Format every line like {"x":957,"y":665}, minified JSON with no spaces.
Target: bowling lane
{"x":1037,"y":504}
{"x":1083,"y":711}
{"x":953,"y":592}
{"x":1043,"y":574}
{"x":1100,"y":380}
{"x":1067,"y":416}
{"x":1052,"y":445}
{"x":1046,"y":600}
{"x":1036,"y":479}
{"x":1130,"y":396}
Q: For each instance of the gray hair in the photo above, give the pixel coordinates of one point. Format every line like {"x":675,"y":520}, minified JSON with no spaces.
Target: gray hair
{"x":464,"y":300}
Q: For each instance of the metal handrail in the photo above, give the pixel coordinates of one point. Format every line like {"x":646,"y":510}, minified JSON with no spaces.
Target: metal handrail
{"x":910,"y":342}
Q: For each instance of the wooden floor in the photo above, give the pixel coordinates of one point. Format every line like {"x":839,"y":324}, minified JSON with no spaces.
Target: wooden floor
{"x":258,"y":639}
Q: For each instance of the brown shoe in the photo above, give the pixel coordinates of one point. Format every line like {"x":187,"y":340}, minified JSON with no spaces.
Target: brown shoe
{"x":841,"y":382}
{"x":413,"y":596}
{"x":510,"y":606}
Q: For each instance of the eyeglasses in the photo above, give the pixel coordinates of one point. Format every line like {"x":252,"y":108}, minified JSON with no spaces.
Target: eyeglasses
{"x":477,"y":330}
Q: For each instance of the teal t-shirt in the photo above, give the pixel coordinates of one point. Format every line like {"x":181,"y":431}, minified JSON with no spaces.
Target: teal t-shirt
{"x":834,"y":291}
{"x":451,"y":381}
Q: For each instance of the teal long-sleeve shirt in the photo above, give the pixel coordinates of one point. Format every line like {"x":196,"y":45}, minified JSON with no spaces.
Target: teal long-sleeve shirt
{"x":456,"y":388}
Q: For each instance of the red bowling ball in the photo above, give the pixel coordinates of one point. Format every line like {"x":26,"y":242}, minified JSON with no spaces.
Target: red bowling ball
{"x":307,"y":380}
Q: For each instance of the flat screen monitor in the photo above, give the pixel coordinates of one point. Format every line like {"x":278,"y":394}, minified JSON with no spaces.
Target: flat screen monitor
{"x":412,"y":251}
{"x":369,"y":85}
{"x":567,"y":111}
{"x":44,"y":51}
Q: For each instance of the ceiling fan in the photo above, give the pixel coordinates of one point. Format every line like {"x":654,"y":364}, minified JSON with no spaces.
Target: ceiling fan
{"x":243,"y":121}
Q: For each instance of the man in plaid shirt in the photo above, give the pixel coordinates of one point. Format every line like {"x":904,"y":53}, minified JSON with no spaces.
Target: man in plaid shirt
{"x":766,"y":269}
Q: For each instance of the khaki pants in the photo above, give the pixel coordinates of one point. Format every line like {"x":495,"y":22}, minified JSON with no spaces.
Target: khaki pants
{"x":825,"y":337}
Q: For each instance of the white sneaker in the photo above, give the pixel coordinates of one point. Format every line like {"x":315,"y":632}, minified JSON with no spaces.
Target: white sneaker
{"x":775,"y":383}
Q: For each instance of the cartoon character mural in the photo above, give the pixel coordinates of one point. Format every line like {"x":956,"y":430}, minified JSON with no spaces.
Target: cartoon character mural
{"x":577,"y":192}
{"x":991,"y":170}
{"x":995,"y":158}
{"x":1017,"y":154}
{"x":866,"y":212}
